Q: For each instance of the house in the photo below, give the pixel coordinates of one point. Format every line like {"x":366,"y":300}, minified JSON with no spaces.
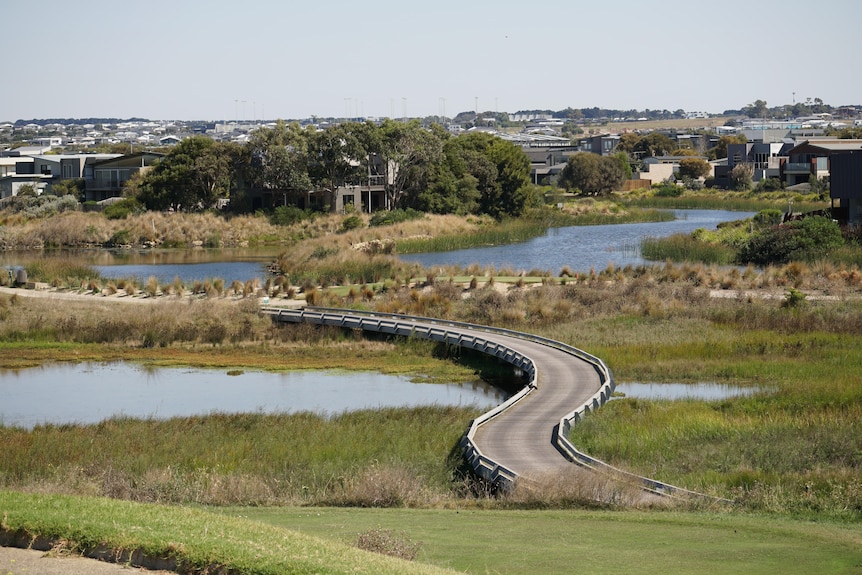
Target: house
{"x":601,"y":144}
{"x":110,"y":175}
{"x":845,"y":185}
{"x":169,"y":140}
{"x":10,"y":185}
{"x":67,"y":166}
{"x":657,"y":169}
{"x":810,"y":159}
{"x":547,"y":163}
{"x":765,"y":159}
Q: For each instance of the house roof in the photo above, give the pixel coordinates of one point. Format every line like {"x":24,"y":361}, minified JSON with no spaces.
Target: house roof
{"x":830,"y":145}
{"x":130,"y":160}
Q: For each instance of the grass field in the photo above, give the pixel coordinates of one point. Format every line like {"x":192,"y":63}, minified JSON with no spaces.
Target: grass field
{"x":565,"y":541}
{"x":263,"y":541}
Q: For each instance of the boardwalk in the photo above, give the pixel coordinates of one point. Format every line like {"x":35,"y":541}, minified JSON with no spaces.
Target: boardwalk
{"x":521,"y":437}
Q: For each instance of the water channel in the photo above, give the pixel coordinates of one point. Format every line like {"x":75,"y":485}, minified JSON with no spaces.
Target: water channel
{"x":86,"y":393}
{"x":578,"y":247}
{"x":581,"y":248}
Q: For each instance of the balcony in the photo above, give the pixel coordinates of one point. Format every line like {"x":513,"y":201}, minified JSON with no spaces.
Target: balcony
{"x":797,"y":168}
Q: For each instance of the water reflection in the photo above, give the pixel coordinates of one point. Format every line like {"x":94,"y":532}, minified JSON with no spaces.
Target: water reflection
{"x":708,"y":391}
{"x":91,"y":392}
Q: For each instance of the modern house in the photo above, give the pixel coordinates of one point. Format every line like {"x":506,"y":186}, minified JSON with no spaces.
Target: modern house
{"x":110,"y":175}
{"x":765,"y":159}
{"x":19,"y":171}
{"x":601,"y":144}
{"x":810,"y":159}
{"x":43,"y":171}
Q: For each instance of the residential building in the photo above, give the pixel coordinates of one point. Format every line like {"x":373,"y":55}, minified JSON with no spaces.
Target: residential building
{"x":110,"y":175}
{"x":601,"y":144}
{"x":845,"y":181}
{"x":811,"y":158}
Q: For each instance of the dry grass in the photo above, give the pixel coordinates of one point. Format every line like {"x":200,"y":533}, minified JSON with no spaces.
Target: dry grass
{"x":83,"y":229}
{"x":579,"y":488}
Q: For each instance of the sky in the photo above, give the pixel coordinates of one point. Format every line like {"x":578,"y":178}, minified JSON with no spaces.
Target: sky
{"x":268,"y":59}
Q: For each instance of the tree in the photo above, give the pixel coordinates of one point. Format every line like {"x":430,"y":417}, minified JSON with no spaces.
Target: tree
{"x":407,"y":150}
{"x":720,"y":149}
{"x":191,"y":177}
{"x":479,"y":173}
{"x":740,"y":177}
{"x":592,"y":174}
{"x":629,"y":142}
{"x":334,"y":155}
{"x":26,"y":191}
{"x":655,"y":144}
{"x":758,"y":109}
{"x":279,"y":158}
{"x":513,"y":179}
{"x":694,"y":168}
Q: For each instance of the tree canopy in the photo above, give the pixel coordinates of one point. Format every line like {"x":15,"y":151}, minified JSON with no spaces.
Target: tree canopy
{"x":191,"y":177}
{"x":593,"y":174}
{"x":426,"y":169}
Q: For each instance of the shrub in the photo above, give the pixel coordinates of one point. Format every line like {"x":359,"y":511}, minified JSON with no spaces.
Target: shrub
{"x":120,"y":238}
{"x":122,"y":209}
{"x":769,"y":185}
{"x":805,"y":239}
{"x":668,"y":190}
{"x":769,"y":217}
{"x":385,"y":541}
{"x":288,"y":215}
{"x":350,"y":223}
{"x":385,"y":218}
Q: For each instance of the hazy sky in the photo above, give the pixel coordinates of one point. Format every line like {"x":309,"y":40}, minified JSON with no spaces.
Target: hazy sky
{"x":214,"y":59}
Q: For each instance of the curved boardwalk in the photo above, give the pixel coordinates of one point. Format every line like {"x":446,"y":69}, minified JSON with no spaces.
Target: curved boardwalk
{"x":520,"y":438}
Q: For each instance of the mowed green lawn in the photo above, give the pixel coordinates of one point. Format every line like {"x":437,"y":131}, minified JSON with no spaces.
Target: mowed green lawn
{"x":596,"y":542}
{"x":278,"y":540}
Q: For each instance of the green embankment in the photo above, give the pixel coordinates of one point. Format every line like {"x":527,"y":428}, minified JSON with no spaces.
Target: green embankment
{"x":318,"y":540}
{"x":199,"y":541}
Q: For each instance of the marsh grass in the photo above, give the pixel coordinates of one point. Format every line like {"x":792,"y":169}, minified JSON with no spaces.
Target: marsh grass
{"x":748,"y":202}
{"x":685,"y":248}
{"x":534,"y":224}
{"x":382,"y":458}
{"x":61,"y":272}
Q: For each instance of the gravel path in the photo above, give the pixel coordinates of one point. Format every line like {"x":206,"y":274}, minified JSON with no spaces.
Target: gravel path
{"x":14,"y":561}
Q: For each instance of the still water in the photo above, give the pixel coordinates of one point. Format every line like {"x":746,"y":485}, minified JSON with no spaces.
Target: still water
{"x":581,"y":248}
{"x":88,"y":393}
{"x":707,"y":391}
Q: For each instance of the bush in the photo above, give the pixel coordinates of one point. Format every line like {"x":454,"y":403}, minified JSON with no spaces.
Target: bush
{"x":806,"y":239}
{"x":769,"y":185}
{"x":350,"y":223}
{"x":288,"y":215}
{"x":395,"y":216}
{"x":768,"y":217}
{"x":668,"y":190}
{"x":125,"y":207}
{"x":36,"y":207}
{"x":120,"y":238}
